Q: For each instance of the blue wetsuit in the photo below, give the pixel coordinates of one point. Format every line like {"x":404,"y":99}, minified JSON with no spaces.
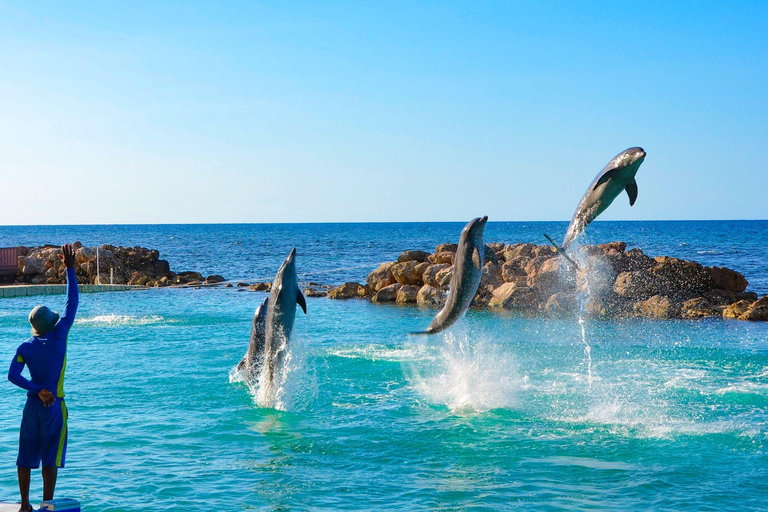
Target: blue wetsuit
{"x":44,"y":429}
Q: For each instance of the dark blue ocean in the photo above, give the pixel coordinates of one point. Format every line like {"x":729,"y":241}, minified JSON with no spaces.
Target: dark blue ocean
{"x":503,"y":412}
{"x":335,"y":253}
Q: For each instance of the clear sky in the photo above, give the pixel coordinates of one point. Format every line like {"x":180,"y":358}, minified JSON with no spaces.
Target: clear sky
{"x":160,"y":112}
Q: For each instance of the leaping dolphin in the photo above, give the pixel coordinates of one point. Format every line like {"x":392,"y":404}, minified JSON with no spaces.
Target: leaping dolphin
{"x":281,"y":313}
{"x":253,"y":357}
{"x":616,"y":177}
{"x":467,"y":270}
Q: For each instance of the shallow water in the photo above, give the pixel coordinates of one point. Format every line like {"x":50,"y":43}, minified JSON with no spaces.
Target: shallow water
{"x":496,"y":414}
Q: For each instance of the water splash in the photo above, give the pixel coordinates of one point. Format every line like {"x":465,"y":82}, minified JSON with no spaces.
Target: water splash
{"x":469,"y":376}
{"x":293,"y":386}
{"x":114,"y":320}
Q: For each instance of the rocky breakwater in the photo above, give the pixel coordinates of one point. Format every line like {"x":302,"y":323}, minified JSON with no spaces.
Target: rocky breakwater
{"x":114,"y":265}
{"x":529,"y":278}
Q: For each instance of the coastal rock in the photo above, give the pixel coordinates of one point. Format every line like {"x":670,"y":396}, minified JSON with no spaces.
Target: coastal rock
{"x":727,"y":279}
{"x":737,"y":309}
{"x":561,"y":304}
{"x":551,"y":278}
{"x":418,"y":256}
{"x":431,"y":296}
{"x":513,"y":297}
{"x":387,"y":294}
{"x":349,"y":290}
{"x":658,"y":306}
{"x":214,"y":279}
{"x":407,"y":294}
{"x":757,"y":312}
{"x":185,"y":277}
{"x":514,"y":268}
{"x":430,"y":274}
{"x":446,"y":257}
{"x":381,"y":277}
{"x":682,"y":278}
{"x":446,"y":248}
{"x":515,"y":251}
{"x":314,"y":292}
{"x":444,"y":277}
{"x":533,"y":266}
{"x":409,"y":272}
{"x":34,"y":264}
{"x":490,"y":278}
{"x":638,"y":285}
{"x":698,"y":308}
{"x":261,"y":287}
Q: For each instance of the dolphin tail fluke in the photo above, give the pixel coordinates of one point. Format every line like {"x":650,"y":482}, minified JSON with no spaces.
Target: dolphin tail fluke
{"x":562,"y":252}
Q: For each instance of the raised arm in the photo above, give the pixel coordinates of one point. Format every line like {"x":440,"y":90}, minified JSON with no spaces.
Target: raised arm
{"x":70,"y":308}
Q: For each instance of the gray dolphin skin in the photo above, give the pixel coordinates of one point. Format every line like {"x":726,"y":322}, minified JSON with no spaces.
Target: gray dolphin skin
{"x":281,"y":313}
{"x":616,"y":177}
{"x":253,"y":357}
{"x":467,"y":270}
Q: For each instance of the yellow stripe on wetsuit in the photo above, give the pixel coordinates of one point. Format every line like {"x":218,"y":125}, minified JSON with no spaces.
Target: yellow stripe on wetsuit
{"x":63,"y":435}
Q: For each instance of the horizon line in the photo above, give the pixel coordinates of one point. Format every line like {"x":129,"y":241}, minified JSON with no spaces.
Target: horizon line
{"x":366,"y":222}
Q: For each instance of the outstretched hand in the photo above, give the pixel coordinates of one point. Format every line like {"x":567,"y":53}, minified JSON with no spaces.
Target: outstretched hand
{"x":47,"y":397}
{"x":68,"y":255}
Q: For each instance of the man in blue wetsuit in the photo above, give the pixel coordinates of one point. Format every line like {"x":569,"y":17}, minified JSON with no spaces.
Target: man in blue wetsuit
{"x":43,"y":433}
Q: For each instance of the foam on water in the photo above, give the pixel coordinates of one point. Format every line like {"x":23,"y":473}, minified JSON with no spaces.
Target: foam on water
{"x":468,"y":375}
{"x":294,"y":387}
{"x":114,"y":320}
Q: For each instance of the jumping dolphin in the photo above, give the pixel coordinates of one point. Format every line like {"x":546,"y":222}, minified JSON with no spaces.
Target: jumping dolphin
{"x":281,"y":313}
{"x":467,"y":270}
{"x":253,"y":357}
{"x":617,"y":176}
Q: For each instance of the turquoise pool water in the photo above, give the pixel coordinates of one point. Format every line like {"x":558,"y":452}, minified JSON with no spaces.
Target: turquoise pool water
{"x":502,"y":413}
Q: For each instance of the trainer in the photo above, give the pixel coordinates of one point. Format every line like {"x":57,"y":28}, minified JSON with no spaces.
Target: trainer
{"x":43,"y":433}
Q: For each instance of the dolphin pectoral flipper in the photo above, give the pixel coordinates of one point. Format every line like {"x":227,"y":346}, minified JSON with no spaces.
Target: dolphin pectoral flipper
{"x":477,"y":260}
{"x":632,"y":192}
{"x":301,"y":301}
{"x":605,"y":177}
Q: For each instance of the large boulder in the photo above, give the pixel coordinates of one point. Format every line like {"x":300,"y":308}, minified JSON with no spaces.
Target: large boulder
{"x":348,"y":290}
{"x":513,"y":297}
{"x":446,"y":248}
{"x":444,"y":277}
{"x":638,"y":284}
{"x":727,"y":279}
{"x":443,"y":257}
{"x":409,"y":272}
{"x":533,"y":266}
{"x":387,"y":294}
{"x":698,"y":307}
{"x":514,"y":251}
{"x":430,"y":296}
{"x":381,"y":277}
{"x":407,"y":294}
{"x":34,"y":264}
{"x":757,"y":312}
{"x":551,"y":278}
{"x":490,"y":279}
{"x":430,"y":274}
{"x":682,"y":279}
{"x":560,"y":304}
{"x":514,"y":268}
{"x":418,"y":256}
{"x":736,"y":309}
{"x":658,"y":306}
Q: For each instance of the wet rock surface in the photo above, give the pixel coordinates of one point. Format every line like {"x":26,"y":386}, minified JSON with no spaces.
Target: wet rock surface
{"x":107,"y":264}
{"x":610,"y":282}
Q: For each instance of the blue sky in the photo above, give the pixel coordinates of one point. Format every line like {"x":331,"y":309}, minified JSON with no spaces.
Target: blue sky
{"x":132,"y":112}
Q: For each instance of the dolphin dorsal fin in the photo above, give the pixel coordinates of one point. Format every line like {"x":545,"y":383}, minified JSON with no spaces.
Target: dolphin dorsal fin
{"x":476,"y":259}
{"x":605,"y":177}
{"x":632,"y":192}
{"x":301,"y":301}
